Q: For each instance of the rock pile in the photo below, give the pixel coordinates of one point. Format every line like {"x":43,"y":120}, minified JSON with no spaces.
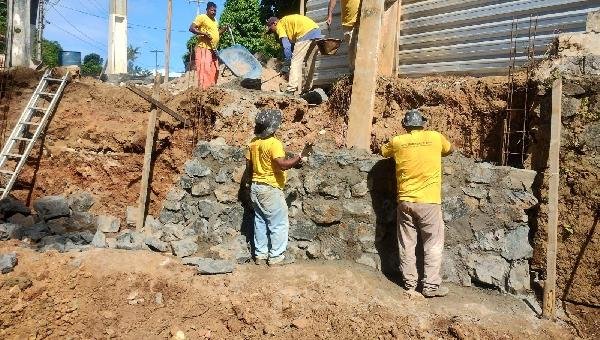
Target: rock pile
{"x":342,"y":206}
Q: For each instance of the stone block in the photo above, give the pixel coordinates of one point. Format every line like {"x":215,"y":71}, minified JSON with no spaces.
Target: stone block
{"x":194,"y":168}
{"x":9,"y":231}
{"x":108,"y":224}
{"x":202,"y":150}
{"x":172,"y":205}
{"x":480,"y":173}
{"x":312,"y":181}
{"x":358,"y":209}
{"x":334,"y":190}
{"x":517,"y":244}
{"x":130,"y":240}
{"x":186,"y":182}
{"x":570,"y":106}
{"x":8,"y":262}
{"x":50,"y":207}
{"x":201,"y":188}
{"x":453,"y":208}
{"x":476,"y":191}
{"x":359,"y":189}
{"x":35,"y":233}
{"x":208,"y":266}
{"x":303,"y":230}
{"x":184,"y":248}
{"x":81,"y":201}
{"x":521,"y":178}
{"x":222,"y":176}
{"x":366,"y":165}
{"x":592,"y":24}
{"x":235,"y":249}
{"x":208,"y":208}
{"x":167,"y":216}
{"x":10,"y":206}
{"x":22,"y":220}
{"x":519,"y":278}
{"x":572,"y":87}
{"x":175,"y":195}
{"x":99,"y":240}
{"x":155,"y":244}
{"x":323,"y":211}
{"x":227,"y":193}
{"x":370,"y":260}
{"x":490,"y":269}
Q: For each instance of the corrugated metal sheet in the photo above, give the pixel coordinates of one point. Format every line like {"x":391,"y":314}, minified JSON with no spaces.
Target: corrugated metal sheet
{"x":462,"y":36}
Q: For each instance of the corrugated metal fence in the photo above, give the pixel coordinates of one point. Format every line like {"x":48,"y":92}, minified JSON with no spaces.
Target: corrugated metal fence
{"x":461,"y":36}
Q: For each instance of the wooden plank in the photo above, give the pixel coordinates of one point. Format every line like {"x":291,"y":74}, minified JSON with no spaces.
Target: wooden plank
{"x":168,"y":39}
{"x":156,"y":103}
{"x":365,"y":76}
{"x":148,"y":150}
{"x":549,"y":303}
{"x":388,"y":45}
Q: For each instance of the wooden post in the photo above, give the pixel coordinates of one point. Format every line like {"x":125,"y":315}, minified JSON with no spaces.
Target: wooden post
{"x":388,"y":45}
{"x":549,"y":310}
{"x":365,"y":76}
{"x":302,"y":5}
{"x":149,"y":149}
{"x":398,"y":31}
{"x":168,"y":39}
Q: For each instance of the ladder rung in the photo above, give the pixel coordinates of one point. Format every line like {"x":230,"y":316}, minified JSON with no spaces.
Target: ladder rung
{"x":29,"y":123}
{"x":2,"y":189}
{"x":6,"y":172}
{"x":47,"y":94}
{"x":41,"y":109}
{"x":14,"y":155}
{"x":53,"y":79}
{"x":23,"y":139}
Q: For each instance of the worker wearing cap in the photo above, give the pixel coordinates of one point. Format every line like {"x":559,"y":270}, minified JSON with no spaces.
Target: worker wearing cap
{"x":350,"y":23}
{"x":418,"y":156}
{"x":266,"y":159}
{"x":297,"y":34}
{"x":205,"y":27}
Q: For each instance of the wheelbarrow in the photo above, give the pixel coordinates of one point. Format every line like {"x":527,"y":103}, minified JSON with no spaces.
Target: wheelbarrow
{"x":242,"y":64}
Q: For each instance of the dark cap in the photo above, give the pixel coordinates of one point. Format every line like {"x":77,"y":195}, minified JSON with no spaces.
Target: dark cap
{"x":414,"y":118}
{"x":272,"y":20}
{"x":267,"y":122}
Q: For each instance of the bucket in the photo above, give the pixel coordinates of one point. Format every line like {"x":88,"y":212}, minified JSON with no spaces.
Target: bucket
{"x":68,"y":58}
{"x":328,"y":46}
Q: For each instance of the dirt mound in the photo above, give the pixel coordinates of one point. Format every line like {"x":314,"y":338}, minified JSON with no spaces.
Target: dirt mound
{"x":468,"y":110}
{"x":135,"y":295}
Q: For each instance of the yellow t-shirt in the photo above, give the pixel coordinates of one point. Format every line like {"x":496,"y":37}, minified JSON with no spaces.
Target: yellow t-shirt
{"x":349,"y":12}
{"x":294,"y":27}
{"x":262,"y":152}
{"x":207,"y":25}
{"x":418,"y":157}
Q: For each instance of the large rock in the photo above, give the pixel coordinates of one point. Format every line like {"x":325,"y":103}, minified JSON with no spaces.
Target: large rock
{"x":49,"y":207}
{"x":81,"y":201}
{"x":184,"y":248}
{"x":8,"y":262}
{"x":201,"y":188}
{"x":108,"y":224}
{"x":323,"y":211}
{"x":99,"y":240}
{"x":156,"y":244}
{"x":517,"y":244}
{"x":8,"y":231}
{"x":130,"y":240}
{"x":519,"y":278}
{"x":490,"y":269}
{"x":208,"y":266}
{"x":303,"y":230}
{"x":10,"y":206}
{"x":78,"y":221}
{"x":194,"y":168}
{"x":35,"y":233}
{"x":227,"y":193}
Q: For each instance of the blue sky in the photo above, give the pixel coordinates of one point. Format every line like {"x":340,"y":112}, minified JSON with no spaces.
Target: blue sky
{"x":82,"y":25}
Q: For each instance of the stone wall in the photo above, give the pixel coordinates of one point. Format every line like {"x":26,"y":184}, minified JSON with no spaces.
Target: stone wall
{"x":342,"y":206}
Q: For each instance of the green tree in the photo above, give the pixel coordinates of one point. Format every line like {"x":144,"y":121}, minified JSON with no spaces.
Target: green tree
{"x":132,"y":54}
{"x":3,"y":14}
{"x":50,"y":51}
{"x":92,"y":65}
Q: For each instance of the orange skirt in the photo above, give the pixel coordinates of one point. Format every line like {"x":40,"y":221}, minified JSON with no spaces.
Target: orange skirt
{"x":207,"y":67}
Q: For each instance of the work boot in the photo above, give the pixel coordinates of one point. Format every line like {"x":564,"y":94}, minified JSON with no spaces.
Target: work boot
{"x":260,"y":260}
{"x":281,"y":260}
{"x":438,"y":291}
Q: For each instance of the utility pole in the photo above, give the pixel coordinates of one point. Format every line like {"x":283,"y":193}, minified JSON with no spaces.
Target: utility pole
{"x":168,"y":39}
{"x":156,"y":52}
{"x":117,"y":37}
{"x":198,"y":2}
{"x":40,"y":29}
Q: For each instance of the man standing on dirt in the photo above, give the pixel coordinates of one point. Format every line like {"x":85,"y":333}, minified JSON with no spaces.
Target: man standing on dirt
{"x":266,"y":159}
{"x":418,"y":160}
{"x":350,"y":14}
{"x":205,"y":57}
{"x":297,"y":34}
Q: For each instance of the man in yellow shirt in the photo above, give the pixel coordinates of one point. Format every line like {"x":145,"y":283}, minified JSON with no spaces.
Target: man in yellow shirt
{"x":297,"y":34}
{"x":266,"y":158}
{"x":205,"y":27}
{"x":350,"y":23}
{"x":418,"y":156}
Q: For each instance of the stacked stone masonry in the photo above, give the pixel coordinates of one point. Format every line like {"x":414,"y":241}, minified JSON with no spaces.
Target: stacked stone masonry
{"x":342,"y":206}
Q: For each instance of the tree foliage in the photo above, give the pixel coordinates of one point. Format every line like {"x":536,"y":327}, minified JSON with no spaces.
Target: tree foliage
{"x":3,"y":14}
{"x":50,"y":51}
{"x":243,"y":16}
{"x":92,"y":65}
{"x":132,"y":54}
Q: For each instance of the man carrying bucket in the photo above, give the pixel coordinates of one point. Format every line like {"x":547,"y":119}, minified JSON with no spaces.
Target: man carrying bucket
{"x":205,"y":27}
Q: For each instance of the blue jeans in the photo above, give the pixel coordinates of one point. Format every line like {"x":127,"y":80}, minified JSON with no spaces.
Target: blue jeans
{"x":271,"y":223}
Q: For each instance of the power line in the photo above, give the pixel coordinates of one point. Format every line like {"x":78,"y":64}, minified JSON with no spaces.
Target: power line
{"x":78,"y":30}
{"x":100,"y":7}
{"x":82,"y":12}
{"x":77,"y":37}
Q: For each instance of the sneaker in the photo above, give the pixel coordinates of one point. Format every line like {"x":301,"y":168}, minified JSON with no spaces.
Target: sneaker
{"x":281,"y":260}
{"x":435,"y":292}
{"x":260,"y":260}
